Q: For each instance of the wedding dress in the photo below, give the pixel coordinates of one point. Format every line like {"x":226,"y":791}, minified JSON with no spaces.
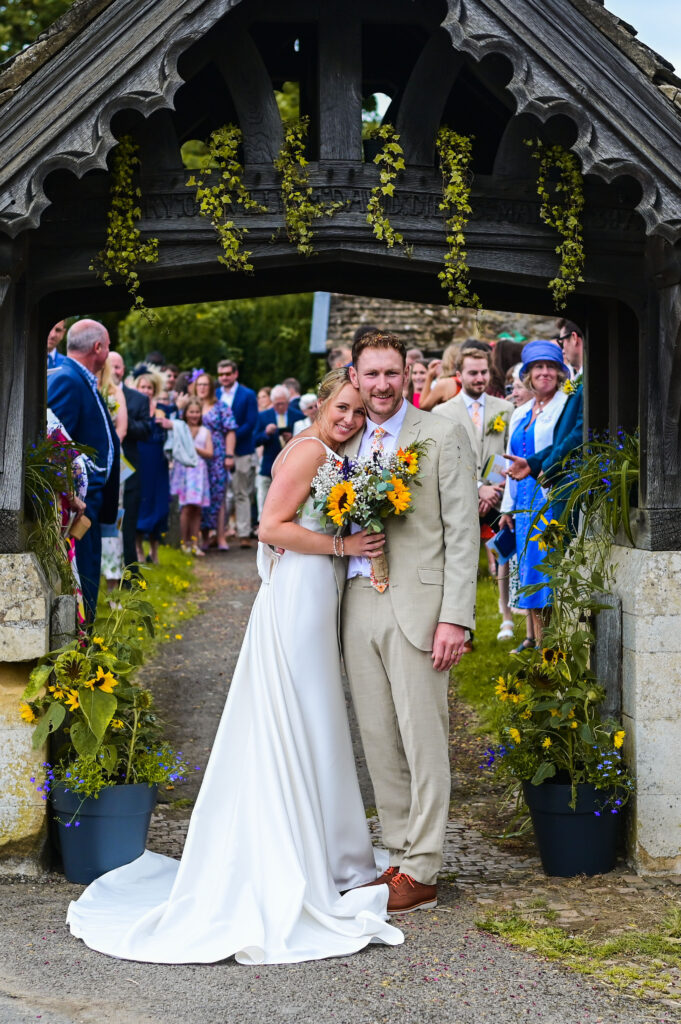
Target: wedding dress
{"x":279,"y":829}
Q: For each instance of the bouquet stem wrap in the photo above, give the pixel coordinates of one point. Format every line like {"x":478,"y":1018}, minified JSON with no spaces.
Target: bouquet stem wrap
{"x":379,"y":573}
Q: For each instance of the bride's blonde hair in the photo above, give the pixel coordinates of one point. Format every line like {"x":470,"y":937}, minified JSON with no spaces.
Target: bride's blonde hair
{"x":333,"y":382}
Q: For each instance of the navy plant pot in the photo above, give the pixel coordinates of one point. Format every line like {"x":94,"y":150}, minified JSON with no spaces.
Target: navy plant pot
{"x":113,"y":828}
{"x":571,"y":842}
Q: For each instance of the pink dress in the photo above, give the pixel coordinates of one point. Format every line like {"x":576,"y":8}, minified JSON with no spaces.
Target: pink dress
{"x":190,"y":483}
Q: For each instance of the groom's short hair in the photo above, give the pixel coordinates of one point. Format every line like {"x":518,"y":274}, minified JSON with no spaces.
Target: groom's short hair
{"x":378,"y":339}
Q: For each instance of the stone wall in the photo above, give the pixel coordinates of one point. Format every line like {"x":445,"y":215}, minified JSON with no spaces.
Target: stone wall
{"x":429,"y":327}
{"x":24,"y":637}
{"x":649,"y":586}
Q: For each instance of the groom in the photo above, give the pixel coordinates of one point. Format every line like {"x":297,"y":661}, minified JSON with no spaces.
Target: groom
{"x":398,"y":646}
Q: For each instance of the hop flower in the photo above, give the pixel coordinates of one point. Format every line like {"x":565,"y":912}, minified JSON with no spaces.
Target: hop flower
{"x":400,"y":496}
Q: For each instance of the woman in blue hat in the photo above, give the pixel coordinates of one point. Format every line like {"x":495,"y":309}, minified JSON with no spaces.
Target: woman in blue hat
{"x":532,"y":426}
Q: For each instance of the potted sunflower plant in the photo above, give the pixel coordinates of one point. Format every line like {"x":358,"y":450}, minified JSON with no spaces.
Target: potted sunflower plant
{"x":108,"y":756}
{"x":556,"y":749}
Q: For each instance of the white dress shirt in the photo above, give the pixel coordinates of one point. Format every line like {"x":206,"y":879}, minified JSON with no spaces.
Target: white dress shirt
{"x":468,"y":402}
{"x":227,"y":394}
{"x":360,"y":566}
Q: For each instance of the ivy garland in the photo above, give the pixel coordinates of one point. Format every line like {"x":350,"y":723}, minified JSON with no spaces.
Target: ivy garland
{"x":562,"y":212}
{"x":229,"y":191}
{"x":299,"y":208}
{"x":390,"y":159}
{"x":124,"y":248}
{"x":455,"y":153}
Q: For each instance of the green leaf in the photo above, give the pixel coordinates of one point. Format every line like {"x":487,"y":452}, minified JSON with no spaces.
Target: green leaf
{"x":83,"y":739}
{"x":546,"y":770}
{"x":109,"y":753}
{"x":98,"y":708}
{"x":48,"y":723}
{"x":37,"y":679}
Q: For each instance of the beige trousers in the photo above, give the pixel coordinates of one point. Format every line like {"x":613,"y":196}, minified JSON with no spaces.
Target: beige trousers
{"x":401,"y":704}
{"x":243,"y":487}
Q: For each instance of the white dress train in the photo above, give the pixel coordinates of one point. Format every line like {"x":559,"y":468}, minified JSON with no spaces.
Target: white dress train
{"x":279,"y":829}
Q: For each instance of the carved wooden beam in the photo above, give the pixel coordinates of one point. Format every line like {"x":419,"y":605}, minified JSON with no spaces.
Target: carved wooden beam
{"x":424,"y":99}
{"x":252,"y":92}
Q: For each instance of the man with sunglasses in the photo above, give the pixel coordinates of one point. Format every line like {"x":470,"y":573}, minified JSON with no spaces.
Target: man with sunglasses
{"x":244,"y":405}
{"x":545,"y":465}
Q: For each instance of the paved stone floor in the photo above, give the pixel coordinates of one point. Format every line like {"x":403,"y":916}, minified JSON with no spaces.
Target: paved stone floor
{"x":447,"y":969}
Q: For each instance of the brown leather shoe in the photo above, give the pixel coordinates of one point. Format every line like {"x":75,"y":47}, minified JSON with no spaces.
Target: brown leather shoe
{"x":245,"y":543}
{"x":383,"y":879}
{"x":406,"y":894}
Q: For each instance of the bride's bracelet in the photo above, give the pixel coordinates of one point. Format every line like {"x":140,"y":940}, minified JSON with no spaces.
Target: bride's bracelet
{"x":338,"y":546}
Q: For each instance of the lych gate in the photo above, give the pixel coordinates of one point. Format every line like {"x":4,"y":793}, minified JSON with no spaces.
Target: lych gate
{"x":167,"y":71}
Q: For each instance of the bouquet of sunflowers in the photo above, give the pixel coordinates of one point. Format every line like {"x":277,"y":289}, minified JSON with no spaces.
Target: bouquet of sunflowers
{"x":366,"y":491}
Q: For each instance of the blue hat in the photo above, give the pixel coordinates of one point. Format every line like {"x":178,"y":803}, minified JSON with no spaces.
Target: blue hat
{"x":542,"y":352}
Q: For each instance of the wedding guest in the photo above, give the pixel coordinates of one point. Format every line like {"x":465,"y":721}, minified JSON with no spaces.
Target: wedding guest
{"x":292,"y":385}
{"x":152,"y":519}
{"x":244,"y":406}
{"x":447,"y":385}
{"x":418,"y":372}
{"x":340,"y":355}
{"x":74,"y":399}
{"x":139,"y":429}
{"x":309,"y":409}
{"x":485,"y":419}
{"x":505,"y":354}
{"x":54,"y":339}
{"x":543,"y":372}
{"x":264,"y":400}
{"x":274,"y":429}
{"x":191,"y":483}
{"x":519,"y":395}
{"x":414,"y":355}
{"x":218,"y":418}
{"x":112,"y":536}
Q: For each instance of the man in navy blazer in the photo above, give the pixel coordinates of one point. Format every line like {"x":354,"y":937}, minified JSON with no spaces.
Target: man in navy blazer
{"x":244,"y":405}
{"x":569,"y":430}
{"x":273,"y":430}
{"x":54,"y":356}
{"x":73,"y":397}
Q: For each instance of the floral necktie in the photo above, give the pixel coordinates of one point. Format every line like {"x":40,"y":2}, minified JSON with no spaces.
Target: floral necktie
{"x":475,"y":416}
{"x":377,"y":441}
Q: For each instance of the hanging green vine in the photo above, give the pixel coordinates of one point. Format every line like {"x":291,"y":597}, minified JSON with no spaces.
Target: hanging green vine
{"x":562,"y":211}
{"x":296,"y":192}
{"x":124,"y":249}
{"x":390,"y":160}
{"x":455,"y":153}
{"x":215,"y":200}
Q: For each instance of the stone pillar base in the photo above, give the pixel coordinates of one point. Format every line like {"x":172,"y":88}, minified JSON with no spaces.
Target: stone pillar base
{"x":649,"y":586}
{"x":24,"y":637}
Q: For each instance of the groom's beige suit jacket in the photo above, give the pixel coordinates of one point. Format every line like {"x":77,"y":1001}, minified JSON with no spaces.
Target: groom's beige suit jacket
{"x":490,"y":443}
{"x":432,"y":552}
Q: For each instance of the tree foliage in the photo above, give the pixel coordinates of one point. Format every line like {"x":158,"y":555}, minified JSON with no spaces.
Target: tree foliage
{"x":22,"y":21}
{"x":268,"y":336}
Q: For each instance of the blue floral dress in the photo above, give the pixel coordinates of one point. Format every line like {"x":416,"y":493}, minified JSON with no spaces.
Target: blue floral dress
{"x":529,"y":498}
{"x":220,"y":421}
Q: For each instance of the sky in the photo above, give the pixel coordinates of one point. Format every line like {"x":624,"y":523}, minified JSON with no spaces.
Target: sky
{"x":658,"y":23}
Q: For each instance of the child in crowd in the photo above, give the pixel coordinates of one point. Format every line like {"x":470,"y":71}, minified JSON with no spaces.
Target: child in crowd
{"x":190,"y":483}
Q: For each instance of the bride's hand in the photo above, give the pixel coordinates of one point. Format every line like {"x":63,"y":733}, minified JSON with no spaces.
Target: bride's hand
{"x":364,"y":544}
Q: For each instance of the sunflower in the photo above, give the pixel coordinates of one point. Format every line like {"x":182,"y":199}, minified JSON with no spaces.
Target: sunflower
{"x":618,"y":738}
{"x":546,"y":742}
{"x":99,"y":640}
{"x":501,"y":689}
{"x":104,"y":680}
{"x":400,"y":496}
{"x":57,"y":692}
{"x":498,"y":424}
{"x":515,"y":735}
{"x":72,"y":701}
{"x":340,"y":501}
{"x":552,"y":655}
{"x":409,"y":459}
{"x":550,"y":535}
{"x":117,"y":723}
{"x":27,"y":713}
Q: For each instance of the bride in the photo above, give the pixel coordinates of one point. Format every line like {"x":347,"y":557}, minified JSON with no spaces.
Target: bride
{"x":278,"y":832}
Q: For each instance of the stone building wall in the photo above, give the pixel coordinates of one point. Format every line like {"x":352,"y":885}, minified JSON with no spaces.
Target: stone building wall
{"x":429,"y":327}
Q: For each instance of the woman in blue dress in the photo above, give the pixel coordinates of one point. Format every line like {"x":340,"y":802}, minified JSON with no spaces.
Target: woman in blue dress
{"x":152,"y":519}
{"x":217,"y":416}
{"x":531,"y":429}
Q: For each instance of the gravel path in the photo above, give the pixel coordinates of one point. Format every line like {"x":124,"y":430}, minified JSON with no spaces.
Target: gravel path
{"x":446,"y":971}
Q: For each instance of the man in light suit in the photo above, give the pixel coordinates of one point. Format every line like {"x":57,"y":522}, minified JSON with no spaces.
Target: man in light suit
{"x":399,"y":645}
{"x":485,"y":419}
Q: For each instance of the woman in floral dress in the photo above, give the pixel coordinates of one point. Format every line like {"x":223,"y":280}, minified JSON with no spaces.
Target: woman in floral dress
{"x":219,"y":419}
